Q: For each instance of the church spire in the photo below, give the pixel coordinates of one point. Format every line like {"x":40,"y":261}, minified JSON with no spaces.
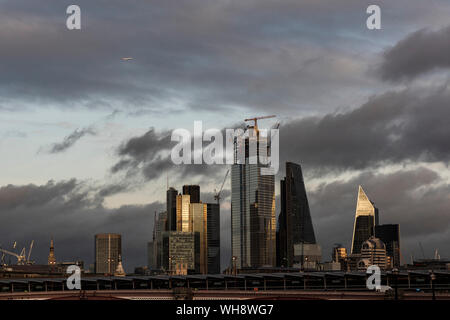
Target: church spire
{"x":51,"y":255}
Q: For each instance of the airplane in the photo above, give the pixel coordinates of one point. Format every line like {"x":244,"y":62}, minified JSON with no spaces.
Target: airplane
{"x":127,"y":59}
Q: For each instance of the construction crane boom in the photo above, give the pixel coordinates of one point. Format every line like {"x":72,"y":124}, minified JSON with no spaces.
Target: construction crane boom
{"x":217,"y":195}
{"x":255,"y":119}
{"x":29,"y":251}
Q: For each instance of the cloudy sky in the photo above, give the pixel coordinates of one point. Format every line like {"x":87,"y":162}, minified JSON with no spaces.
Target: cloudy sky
{"x":85,"y":136}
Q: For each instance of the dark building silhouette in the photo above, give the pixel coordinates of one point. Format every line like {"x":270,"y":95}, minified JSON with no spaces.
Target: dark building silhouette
{"x":193,"y":191}
{"x":294,"y":222}
{"x":390,"y":235}
{"x":171,"y":203}
{"x":213,"y":236}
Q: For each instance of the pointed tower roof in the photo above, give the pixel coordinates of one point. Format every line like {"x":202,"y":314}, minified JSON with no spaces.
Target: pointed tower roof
{"x":364,"y":206}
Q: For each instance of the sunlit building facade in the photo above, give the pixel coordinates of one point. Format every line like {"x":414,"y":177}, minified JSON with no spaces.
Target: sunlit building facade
{"x":184,"y":220}
{"x":366,"y":218}
{"x":108,"y":249}
{"x":253,"y":224}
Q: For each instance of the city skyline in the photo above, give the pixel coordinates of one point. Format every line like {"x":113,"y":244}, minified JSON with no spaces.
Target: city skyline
{"x":85,"y":136}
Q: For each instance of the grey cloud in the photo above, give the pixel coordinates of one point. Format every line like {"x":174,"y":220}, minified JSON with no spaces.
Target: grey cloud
{"x":72,"y":212}
{"x":394,"y":127}
{"x":71,"y":139}
{"x":422,"y":51}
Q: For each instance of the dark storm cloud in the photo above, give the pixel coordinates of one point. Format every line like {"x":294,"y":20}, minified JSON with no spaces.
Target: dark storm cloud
{"x":234,"y":53}
{"x":71,"y":139}
{"x":72,"y":212}
{"x":394,"y":127}
{"x":416,"y":199}
{"x":422,"y":51}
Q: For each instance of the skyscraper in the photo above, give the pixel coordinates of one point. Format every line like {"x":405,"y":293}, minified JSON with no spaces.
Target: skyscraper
{"x":366,"y":217}
{"x":171,"y":203}
{"x":213,"y":237}
{"x":158,"y":229}
{"x":193,"y":191}
{"x":199,"y":225}
{"x":183,"y":213}
{"x":295,"y":224}
{"x":108,"y":249}
{"x":390,"y":235}
{"x":253,"y":224}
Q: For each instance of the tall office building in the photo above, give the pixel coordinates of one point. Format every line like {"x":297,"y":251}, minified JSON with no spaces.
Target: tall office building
{"x":183,"y":213}
{"x":253,"y":224}
{"x":51,"y":255}
{"x":171,"y":203}
{"x":108,"y":249}
{"x":213,"y":237}
{"x":390,"y":235}
{"x":193,"y":191}
{"x":366,"y":217}
{"x":295,"y":225}
{"x":159,"y":228}
{"x":199,"y":225}
{"x":151,"y":265}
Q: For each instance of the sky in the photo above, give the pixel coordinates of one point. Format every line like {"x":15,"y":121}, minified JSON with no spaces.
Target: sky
{"x":85,"y":137}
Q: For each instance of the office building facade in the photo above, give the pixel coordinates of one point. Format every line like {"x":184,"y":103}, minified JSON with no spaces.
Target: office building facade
{"x":295,"y":223}
{"x":193,"y":191}
{"x":213,"y":237}
{"x":390,"y":235}
{"x":366,"y":217}
{"x":108,"y":250}
{"x":253,"y":224}
{"x":171,"y":209}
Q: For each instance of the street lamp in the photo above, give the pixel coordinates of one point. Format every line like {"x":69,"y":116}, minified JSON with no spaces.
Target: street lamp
{"x":395,"y":273}
{"x":433,"y":278}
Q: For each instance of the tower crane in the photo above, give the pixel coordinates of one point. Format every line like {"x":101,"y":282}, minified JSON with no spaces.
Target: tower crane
{"x":255,"y":119}
{"x":217,"y":195}
{"x":21,"y":257}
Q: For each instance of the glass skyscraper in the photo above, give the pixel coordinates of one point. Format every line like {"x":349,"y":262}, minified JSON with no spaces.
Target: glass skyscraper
{"x":390,"y":235}
{"x":213,"y":235}
{"x":366,"y":217}
{"x":253,"y":224}
{"x":295,"y":224}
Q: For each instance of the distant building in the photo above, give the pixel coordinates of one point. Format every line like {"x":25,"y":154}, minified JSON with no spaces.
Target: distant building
{"x":307,"y":256}
{"x":181,"y":251}
{"x":184,"y":218}
{"x":193,"y":191}
{"x":296,"y":238}
{"x":198,"y":216}
{"x":390,"y":235}
{"x":51,"y":255}
{"x":171,"y":204}
{"x":366,"y":217}
{"x":339,"y":255}
{"x":253,"y":224}
{"x":151,"y":256}
{"x":373,"y":252}
{"x":213,"y":237}
{"x":160,"y":226}
{"x":108,"y":249}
